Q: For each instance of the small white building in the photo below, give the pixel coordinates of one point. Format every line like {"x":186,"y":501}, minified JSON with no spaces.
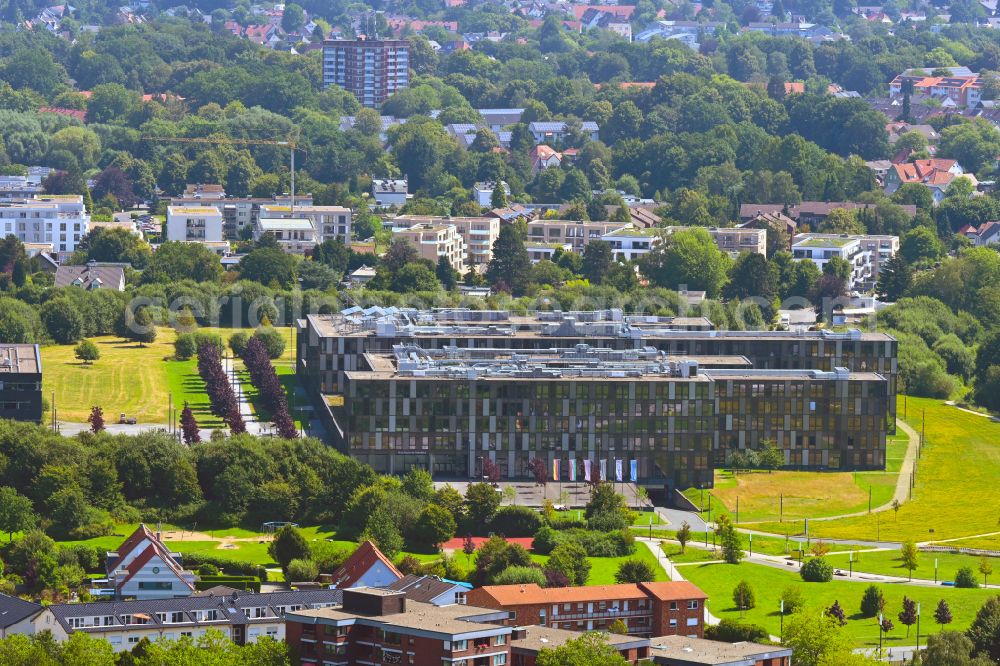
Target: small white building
{"x":144,"y":568}
{"x":630,"y":242}
{"x":294,"y":235}
{"x":388,"y":192}
{"x":194,"y":223}
{"x":484,"y":192}
{"x":865,"y":254}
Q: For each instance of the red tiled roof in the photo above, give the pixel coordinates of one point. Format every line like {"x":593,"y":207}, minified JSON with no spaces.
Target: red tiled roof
{"x":792,"y":87}
{"x":543,"y":152}
{"x":932,"y":171}
{"x":155,"y":548}
{"x":513,"y":595}
{"x":72,"y":113}
{"x":359,"y":563}
{"x":619,"y":11}
{"x":134,"y":539}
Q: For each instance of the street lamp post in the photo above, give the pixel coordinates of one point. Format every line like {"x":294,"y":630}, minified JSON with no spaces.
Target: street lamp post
{"x":935,"y":571}
{"x":880,"y":634}
{"x":850,"y":562}
{"x":918,"y":627}
{"x":781,"y":633}
{"x":751,"y":544}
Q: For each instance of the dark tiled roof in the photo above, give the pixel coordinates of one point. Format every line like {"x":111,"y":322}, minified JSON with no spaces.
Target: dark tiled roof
{"x":422,"y":588}
{"x":13,"y":610}
{"x":230,"y":607}
{"x":111,"y":277}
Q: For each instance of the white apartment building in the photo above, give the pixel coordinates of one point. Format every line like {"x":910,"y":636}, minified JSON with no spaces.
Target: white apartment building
{"x":329,"y":222}
{"x":199,"y":224}
{"x":294,"y":235}
{"x":60,"y":221}
{"x":238,"y":213}
{"x":434,"y":240}
{"x":478,"y":234}
{"x":864,"y":253}
{"x":629,"y":243}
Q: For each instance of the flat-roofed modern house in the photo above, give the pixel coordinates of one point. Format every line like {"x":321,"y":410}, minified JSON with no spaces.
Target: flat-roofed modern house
{"x":20,"y":382}
{"x":295,"y":235}
{"x":194,"y":223}
{"x":866,"y":254}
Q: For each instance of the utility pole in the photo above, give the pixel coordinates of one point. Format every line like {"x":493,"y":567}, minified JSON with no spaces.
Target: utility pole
{"x":781,"y":508}
{"x":170,"y":410}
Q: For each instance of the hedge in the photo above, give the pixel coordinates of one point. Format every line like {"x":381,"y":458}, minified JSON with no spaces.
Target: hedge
{"x":245,"y":583}
{"x":231,"y":567}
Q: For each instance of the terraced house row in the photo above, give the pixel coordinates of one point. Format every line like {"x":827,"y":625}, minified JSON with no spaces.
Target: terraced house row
{"x":670,"y":398}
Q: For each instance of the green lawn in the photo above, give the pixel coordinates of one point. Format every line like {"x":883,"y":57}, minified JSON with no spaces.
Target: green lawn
{"x":795,"y":495}
{"x":955,"y":483}
{"x":718,"y":581}
{"x":983,"y":542}
{"x":890,"y":564}
{"x":603,"y":569}
{"x":140,"y":380}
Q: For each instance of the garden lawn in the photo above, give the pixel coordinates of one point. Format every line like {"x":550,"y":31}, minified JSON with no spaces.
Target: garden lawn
{"x":140,"y":380}
{"x":888,"y":562}
{"x":955,"y":483}
{"x":761,"y":495}
{"x":603,"y":569}
{"x":718,"y":581}
{"x":127,"y":378}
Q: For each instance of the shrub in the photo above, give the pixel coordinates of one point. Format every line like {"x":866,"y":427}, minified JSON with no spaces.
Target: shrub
{"x":566,"y":521}
{"x":302,"y":571}
{"x":743,"y":596}
{"x":966,"y":577}
{"x":238,"y":342}
{"x":872,"y":602}
{"x":618,"y":543}
{"x":732,"y":631}
{"x":208,"y":569}
{"x":520,"y":575}
{"x":231,"y":567}
{"x":273,"y":342}
{"x":186,"y":345}
{"x":635,"y":571}
{"x":516,"y":521}
{"x":792,"y":598}
{"x":546,"y":539}
{"x":817,"y":570}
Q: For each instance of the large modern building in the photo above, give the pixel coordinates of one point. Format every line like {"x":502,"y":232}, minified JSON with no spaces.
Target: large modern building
{"x":198,"y":224}
{"x":59,"y":221}
{"x":865,"y":253}
{"x":445,"y":389}
{"x":20,"y":383}
{"x":238,"y":213}
{"x":370,"y":69}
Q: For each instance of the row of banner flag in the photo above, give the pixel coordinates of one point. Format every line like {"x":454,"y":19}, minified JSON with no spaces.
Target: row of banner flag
{"x":633,"y":468}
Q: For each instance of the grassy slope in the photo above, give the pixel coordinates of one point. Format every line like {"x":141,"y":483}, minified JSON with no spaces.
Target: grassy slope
{"x":718,"y":581}
{"x":806,"y":494}
{"x":956,"y":480}
{"x":889,"y":563}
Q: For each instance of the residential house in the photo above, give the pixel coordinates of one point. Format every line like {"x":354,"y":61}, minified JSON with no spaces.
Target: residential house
{"x":91,"y":276}
{"x":575,"y":233}
{"x":809,"y":31}
{"x":389,"y":192}
{"x":689,"y":31}
{"x":366,"y":567}
{"x":865,"y":254}
{"x":143,"y":567}
{"x":809,"y":212}
{"x":361,"y":276}
{"x":197,"y":224}
{"x":329,"y":221}
{"x":20,"y":382}
{"x":238,"y":213}
{"x":987,"y":234}
{"x":684,"y":651}
{"x":629,"y":243}
{"x":556,"y":131}
{"x":434,"y":240}
{"x":527,"y":642}
{"x":935,"y":174}
{"x":961,"y":87}
{"x":544,"y":157}
{"x":647,"y":609}
{"x":17,"y":616}
{"x":478,"y":234}
{"x":295,"y":235}
{"x":774,"y":223}
{"x":484,"y":192}
{"x":431,"y":589}
{"x":498,"y":119}
{"x":242,"y":617}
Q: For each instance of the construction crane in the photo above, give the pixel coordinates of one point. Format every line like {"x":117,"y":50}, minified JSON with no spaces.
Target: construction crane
{"x":226,"y":141}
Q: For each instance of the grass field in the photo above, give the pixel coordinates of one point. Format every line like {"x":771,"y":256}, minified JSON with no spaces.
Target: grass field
{"x":797,"y":495}
{"x":139,"y":380}
{"x":889,"y":563}
{"x":983,"y":542}
{"x":603,"y":569}
{"x":718,"y":581}
{"x":955,"y":483}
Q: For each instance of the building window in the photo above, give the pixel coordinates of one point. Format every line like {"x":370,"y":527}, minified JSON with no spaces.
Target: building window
{"x":501,"y":639}
{"x":499,"y":659}
{"x":693,"y":604}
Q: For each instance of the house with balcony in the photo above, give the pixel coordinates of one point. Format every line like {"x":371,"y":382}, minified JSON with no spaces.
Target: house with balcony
{"x":647,"y":609}
{"x":629,"y":243}
{"x":866,"y":254}
{"x":144,"y":568}
{"x":434,"y":240}
{"x":294,"y":235}
{"x":193,"y":223}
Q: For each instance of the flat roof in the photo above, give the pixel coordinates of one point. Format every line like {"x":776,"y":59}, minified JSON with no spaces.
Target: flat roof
{"x":825,"y":242}
{"x":547,"y":638}
{"x":449,"y":620}
{"x":20,"y":359}
{"x":284,"y":224}
{"x":193,"y":210}
{"x":713,"y":653}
